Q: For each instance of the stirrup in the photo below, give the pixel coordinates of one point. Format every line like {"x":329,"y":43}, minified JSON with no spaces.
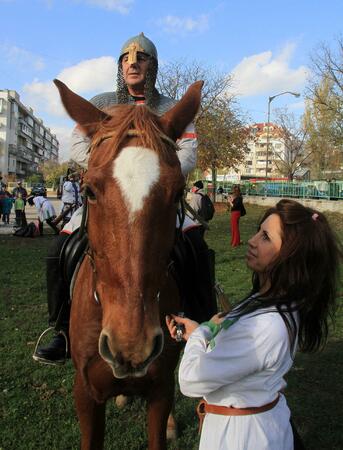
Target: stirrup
{"x":45,"y":361}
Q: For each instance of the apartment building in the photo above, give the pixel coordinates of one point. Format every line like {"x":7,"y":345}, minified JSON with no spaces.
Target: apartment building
{"x":254,"y":164}
{"x":255,"y":161}
{"x":25,"y":142}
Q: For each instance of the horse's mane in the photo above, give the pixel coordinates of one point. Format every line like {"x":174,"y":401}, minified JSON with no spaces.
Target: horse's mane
{"x":126,"y":118}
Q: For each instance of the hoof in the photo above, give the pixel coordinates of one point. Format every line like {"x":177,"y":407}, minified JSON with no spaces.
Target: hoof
{"x":121,"y":401}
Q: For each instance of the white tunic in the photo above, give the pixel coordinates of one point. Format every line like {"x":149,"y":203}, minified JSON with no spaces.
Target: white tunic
{"x":245,"y":368}
{"x":68,"y":193}
{"x":44,"y":208}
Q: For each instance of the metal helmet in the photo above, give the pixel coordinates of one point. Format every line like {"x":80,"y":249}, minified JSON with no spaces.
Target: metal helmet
{"x":137,"y":44}
{"x":132,"y":46}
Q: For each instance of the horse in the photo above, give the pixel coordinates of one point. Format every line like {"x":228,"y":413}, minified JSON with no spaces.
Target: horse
{"x":122,"y":292}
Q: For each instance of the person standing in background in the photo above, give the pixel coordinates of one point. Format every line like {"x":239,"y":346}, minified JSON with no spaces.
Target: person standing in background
{"x":235,"y":201}
{"x":197,"y":192}
{"x":20,"y":189}
{"x":7,"y":203}
{"x":71,"y":197}
{"x":19,"y":208}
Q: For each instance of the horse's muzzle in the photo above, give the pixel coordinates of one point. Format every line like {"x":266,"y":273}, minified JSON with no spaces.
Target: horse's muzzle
{"x":124,"y":367}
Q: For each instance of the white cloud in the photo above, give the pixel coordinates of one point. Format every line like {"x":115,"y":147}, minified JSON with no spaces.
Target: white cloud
{"x":184,"y":25}
{"x":265,"y":73}
{"x":297,"y":106}
{"x":20,"y":57}
{"x":86,"y":78}
{"x":122,"y":6}
{"x":63,"y":135}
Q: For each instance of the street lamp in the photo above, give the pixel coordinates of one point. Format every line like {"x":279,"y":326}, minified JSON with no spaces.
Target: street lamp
{"x":296,"y":94}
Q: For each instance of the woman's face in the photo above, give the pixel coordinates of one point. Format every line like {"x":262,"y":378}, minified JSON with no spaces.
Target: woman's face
{"x":265,"y":245}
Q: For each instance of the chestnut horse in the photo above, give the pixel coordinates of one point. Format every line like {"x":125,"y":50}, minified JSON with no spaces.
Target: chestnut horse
{"x":119,"y":341}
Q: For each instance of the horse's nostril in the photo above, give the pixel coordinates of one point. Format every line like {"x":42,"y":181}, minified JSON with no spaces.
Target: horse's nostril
{"x":158,"y":345}
{"x":104,"y":348}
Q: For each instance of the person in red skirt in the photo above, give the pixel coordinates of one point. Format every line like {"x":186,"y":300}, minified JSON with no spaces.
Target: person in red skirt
{"x":235,"y":201}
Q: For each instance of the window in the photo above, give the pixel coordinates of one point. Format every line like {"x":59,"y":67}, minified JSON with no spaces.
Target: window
{"x":29,"y":120}
{"x":39,"y":140}
{"x":27,"y":130}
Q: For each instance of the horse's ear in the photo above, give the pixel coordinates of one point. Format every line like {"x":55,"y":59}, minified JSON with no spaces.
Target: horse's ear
{"x":82,"y":111}
{"x":176,"y":119}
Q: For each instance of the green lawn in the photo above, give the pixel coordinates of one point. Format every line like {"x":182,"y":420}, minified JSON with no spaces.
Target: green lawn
{"x":36,"y":401}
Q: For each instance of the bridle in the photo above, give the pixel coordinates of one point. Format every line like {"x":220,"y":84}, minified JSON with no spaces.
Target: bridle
{"x":130,"y":133}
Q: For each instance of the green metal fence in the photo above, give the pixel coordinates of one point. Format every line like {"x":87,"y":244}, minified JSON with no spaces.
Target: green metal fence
{"x":310,"y":189}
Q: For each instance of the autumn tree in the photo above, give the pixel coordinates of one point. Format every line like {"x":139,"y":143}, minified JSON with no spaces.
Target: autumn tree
{"x":325,"y":89}
{"x":295,"y":154}
{"x":222,"y":137}
{"x":323,"y":140}
{"x":221,"y":134}
{"x":52,"y":171}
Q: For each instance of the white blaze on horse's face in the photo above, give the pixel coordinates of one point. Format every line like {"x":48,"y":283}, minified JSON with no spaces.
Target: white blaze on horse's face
{"x":136,"y":170}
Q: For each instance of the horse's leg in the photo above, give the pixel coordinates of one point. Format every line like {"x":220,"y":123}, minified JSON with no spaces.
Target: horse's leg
{"x":160,"y":403}
{"x":91,"y":415}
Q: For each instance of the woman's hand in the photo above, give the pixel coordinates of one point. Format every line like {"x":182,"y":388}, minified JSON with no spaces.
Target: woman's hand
{"x":188,"y":324}
{"x":217,"y":318}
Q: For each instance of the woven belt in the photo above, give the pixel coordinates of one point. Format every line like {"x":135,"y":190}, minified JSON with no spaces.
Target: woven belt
{"x":204,"y":408}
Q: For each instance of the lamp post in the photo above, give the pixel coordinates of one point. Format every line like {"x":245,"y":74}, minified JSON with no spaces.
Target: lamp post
{"x":270,"y":99}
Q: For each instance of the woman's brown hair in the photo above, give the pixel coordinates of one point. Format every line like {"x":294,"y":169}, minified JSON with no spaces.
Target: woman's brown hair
{"x":304,"y":277}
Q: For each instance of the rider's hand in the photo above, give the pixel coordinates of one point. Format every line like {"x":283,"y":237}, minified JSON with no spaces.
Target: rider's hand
{"x":189,"y":325}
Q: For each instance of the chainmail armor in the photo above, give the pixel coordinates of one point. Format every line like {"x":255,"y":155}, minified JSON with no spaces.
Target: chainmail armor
{"x":150,"y":92}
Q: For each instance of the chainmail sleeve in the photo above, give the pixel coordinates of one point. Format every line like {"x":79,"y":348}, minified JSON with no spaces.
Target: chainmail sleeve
{"x":188,"y":145}
{"x":79,"y":150}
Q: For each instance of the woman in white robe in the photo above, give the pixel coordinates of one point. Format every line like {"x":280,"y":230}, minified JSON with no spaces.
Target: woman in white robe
{"x":239,"y":359}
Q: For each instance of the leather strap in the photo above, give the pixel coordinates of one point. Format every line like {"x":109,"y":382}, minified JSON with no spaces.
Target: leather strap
{"x":204,"y":408}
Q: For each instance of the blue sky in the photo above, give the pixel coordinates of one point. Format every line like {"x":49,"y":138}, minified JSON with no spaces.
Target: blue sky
{"x":265,"y":45}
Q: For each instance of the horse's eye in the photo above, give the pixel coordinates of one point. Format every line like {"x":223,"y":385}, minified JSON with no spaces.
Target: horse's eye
{"x":89,"y":193}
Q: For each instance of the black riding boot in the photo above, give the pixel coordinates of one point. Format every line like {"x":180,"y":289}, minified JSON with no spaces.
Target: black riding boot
{"x":58,"y":307}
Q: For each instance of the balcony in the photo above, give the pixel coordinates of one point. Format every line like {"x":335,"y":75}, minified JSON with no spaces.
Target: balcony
{"x":39,"y":140}
{"x":23,"y":152}
{"x":24,"y":129}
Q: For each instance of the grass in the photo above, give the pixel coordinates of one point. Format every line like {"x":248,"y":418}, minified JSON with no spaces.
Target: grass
{"x":36,"y":401}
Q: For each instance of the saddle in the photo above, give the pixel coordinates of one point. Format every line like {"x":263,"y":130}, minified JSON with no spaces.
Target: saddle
{"x":72,"y":254}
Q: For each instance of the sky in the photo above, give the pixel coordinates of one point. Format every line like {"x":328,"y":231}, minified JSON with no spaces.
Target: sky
{"x":265,"y":46}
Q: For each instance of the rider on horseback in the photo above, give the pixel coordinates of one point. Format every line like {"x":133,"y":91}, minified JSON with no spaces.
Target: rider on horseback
{"x":136,"y":78}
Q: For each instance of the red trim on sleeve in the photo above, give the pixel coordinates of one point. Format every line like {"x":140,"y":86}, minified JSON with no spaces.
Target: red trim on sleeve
{"x":189,"y":136}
